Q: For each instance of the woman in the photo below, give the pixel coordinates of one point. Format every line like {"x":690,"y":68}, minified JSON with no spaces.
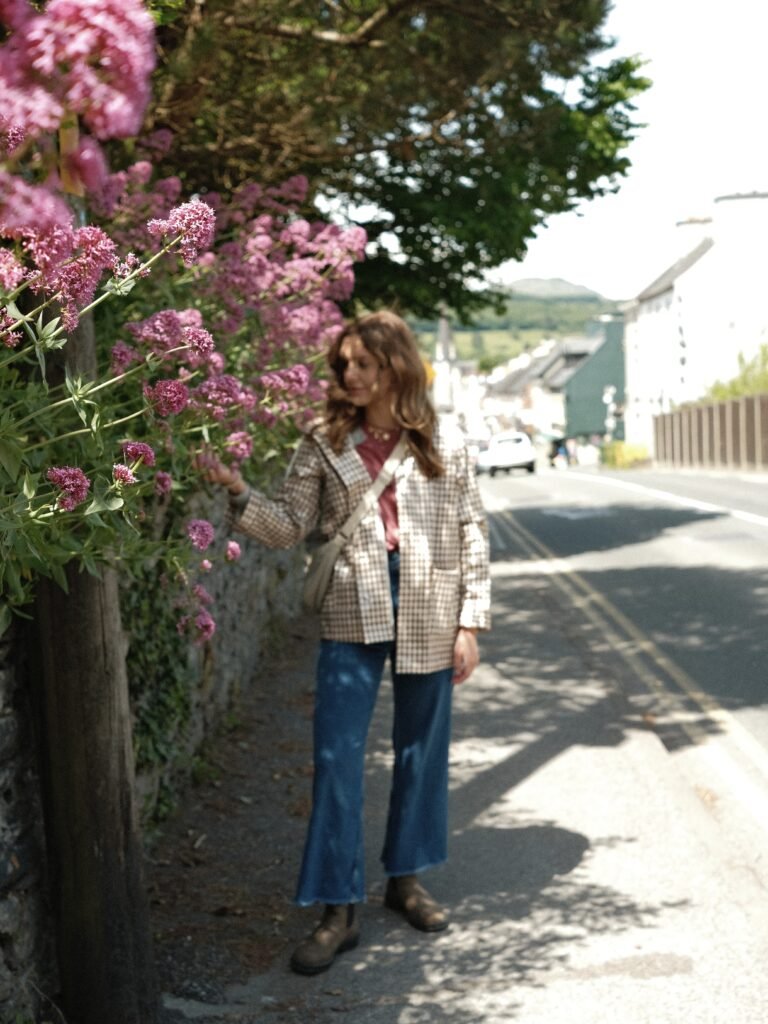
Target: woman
{"x":412,"y":585}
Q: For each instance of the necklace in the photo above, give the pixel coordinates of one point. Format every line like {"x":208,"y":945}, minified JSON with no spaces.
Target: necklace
{"x":378,"y":433}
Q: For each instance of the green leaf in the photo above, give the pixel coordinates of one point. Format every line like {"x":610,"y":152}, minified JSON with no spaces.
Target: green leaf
{"x":104,"y":503}
{"x":5,"y":617}
{"x":41,"y":360}
{"x":57,"y":573}
{"x":30,"y":484}
{"x":117,"y":287}
{"x":90,"y":564}
{"x":47,"y":333}
{"x":10,"y":457}
{"x":13,"y":580}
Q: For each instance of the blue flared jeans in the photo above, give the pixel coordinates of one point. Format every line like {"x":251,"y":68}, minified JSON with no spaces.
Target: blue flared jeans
{"x":348,"y":680}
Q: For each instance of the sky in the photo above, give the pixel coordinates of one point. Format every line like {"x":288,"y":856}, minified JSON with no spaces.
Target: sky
{"x":706,"y":135}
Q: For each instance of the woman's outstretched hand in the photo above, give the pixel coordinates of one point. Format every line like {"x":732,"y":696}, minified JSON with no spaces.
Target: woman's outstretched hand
{"x":212,"y":469}
{"x":466,"y":655}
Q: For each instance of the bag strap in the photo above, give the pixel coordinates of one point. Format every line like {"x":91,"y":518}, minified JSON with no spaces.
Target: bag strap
{"x":371,"y":496}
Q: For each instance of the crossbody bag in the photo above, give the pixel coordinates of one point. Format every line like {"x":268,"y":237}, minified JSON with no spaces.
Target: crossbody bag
{"x":320,"y":569}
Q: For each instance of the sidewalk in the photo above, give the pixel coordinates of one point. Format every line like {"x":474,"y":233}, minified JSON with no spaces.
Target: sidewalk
{"x":588,"y":880}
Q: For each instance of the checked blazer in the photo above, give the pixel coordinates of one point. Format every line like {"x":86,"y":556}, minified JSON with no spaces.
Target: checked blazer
{"x":444,"y":570}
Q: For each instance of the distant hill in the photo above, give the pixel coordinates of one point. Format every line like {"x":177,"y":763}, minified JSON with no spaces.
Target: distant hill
{"x":552,"y":288}
{"x":534,"y":309}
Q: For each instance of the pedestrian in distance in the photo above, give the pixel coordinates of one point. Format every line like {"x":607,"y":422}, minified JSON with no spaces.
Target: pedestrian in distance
{"x":411,"y":585}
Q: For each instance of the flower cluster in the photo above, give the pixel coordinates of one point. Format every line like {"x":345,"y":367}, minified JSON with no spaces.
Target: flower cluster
{"x":137,"y":451}
{"x":170,"y":335}
{"x":230,"y":367}
{"x":293,"y":381}
{"x":78,"y":56}
{"x":74,"y":59}
{"x":167,"y":397}
{"x":69,"y":264}
{"x":72,"y":484}
{"x":193,"y":222}
{"x":200,"y":533}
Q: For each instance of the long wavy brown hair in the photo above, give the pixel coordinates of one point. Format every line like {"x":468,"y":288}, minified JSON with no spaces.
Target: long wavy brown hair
{"x":390,"y":341}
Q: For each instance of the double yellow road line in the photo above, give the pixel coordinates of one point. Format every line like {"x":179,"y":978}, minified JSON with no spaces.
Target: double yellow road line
{"x":670,"y":685}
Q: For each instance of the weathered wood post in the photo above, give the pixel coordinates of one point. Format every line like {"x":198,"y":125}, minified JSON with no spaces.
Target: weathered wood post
{"x":79,"y":673}
{"x":103,"y":937}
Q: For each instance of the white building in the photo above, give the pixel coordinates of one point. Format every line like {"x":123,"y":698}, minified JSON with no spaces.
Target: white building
{"x":689,"y":328}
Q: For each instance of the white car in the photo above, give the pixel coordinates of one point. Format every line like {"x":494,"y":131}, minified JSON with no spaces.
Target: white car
{"x":511,"y":450}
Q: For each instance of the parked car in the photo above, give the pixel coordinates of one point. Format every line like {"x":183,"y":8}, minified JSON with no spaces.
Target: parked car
{"x":511,"y":450}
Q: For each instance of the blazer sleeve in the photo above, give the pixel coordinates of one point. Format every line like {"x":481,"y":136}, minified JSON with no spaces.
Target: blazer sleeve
{"x":286,"y":518}
{"x":475,"y":595}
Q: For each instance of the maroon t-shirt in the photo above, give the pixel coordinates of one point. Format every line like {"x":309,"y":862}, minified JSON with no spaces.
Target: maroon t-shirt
{"x":374,"y":454}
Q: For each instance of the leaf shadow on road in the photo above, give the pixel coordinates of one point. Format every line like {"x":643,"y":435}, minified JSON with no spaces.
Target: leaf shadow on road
{"x":698,"y":627}
{"x":523,"y":895}
{"x":576,"y":529}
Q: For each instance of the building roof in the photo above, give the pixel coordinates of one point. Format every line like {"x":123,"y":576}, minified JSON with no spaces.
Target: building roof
{"x":666,"y":280}
{"x":551,"y":369}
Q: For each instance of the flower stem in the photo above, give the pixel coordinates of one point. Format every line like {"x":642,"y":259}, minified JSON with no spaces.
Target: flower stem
{"x":78,"y":433}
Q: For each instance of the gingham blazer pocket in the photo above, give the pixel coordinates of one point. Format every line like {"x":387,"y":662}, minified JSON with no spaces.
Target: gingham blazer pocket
{"x":445,"y":597}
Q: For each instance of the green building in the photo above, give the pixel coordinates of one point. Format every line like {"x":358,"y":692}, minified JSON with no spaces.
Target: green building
{"x":594,"y":392}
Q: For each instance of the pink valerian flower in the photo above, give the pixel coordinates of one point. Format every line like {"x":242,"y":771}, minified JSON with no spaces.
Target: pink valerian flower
{"x":160,"y":332}
{"x":202,"y":594}
{"x":79,"y":278}
{"x":163,"y":483}
{"x":70,"y":263}
{"x":88,"y":165}
{"x":222,"y":396}
{"x":194,"y":221}
{"x":123,"y":474}
{"x":26,"y":207}
{"x":201,"y":533}
{"x":123,"y":356}
{"x":136,"y":451}
{"x":130,"y":201}
{"x":123,"y":268}
{"x":9,"y":337}
{"x":72,"y":483}
{"x":206,"y":565}
{"x":233,"y":551}
{"x":11,"y":135}
{"x":176,"y":334}
{"x":205,"y":626}
{"x":15,"y":13}
{"x":158,"y":143}
{"x":239,"y":445}
{"x":200,"y":345}
{"x":12,"y":273}
{"x":90,"y":59}
{"x":294,"y":381}
{"x":167,"y":397}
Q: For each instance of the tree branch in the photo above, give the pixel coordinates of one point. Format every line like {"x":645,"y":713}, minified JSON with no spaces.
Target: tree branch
{"x":362,"y":35}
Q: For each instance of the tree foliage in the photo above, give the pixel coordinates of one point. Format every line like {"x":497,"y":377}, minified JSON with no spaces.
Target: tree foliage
{"x":450,"y":131}
{"x":752,"y":379}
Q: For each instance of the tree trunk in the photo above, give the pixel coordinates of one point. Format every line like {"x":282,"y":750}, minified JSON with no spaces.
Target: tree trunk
{"x":95,"y":854}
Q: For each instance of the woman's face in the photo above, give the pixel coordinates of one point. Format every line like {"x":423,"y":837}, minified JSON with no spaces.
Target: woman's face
{"x":365,"y":381}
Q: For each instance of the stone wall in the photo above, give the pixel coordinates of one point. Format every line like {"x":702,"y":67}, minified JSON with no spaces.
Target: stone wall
{"x":254,"y":600}
{"x":26,"y":954}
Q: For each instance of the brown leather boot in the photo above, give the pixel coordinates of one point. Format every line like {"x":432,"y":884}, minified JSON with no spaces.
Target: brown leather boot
{"x":338,"y":931}
{"x":420,"y":910}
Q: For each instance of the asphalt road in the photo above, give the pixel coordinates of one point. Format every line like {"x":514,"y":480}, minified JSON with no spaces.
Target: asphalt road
{"x":609,"y":809}
{"x":676,"y":564}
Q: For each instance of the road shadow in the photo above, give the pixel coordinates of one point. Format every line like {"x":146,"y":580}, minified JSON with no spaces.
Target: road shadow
{"x":573,"y":527}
